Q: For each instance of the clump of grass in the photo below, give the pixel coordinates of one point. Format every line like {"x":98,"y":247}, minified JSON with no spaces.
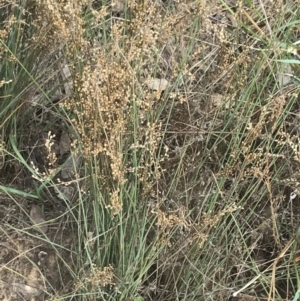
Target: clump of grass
{"x":183,"y":192}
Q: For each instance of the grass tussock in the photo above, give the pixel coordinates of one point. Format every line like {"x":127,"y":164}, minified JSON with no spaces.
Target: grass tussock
{"x":160,"y":141}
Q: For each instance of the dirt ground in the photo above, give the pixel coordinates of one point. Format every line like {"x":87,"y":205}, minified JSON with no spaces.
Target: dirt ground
{"x":34,"y":265}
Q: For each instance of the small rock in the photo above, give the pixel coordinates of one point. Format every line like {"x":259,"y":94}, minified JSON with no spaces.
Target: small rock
{"x":38,"y":218}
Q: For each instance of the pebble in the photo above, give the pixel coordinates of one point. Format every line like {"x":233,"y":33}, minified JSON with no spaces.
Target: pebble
{"x":38,"y":217}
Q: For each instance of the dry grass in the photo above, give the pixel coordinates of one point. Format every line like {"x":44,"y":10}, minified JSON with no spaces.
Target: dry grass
{"x":163,"y":137}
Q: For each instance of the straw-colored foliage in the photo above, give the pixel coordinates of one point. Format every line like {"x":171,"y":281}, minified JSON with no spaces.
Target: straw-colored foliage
{"x":159,"y":140}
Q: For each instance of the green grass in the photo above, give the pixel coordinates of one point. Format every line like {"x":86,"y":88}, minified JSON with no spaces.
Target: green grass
{"x":207,"y":183}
